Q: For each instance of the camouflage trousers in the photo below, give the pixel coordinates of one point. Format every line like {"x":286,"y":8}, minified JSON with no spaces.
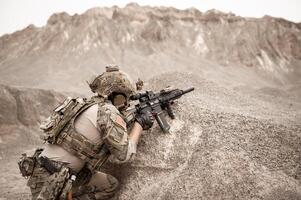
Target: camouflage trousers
{"x":43,"y":185}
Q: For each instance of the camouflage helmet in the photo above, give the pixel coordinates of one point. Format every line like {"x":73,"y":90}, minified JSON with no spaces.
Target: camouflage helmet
{"x":112,"y":80}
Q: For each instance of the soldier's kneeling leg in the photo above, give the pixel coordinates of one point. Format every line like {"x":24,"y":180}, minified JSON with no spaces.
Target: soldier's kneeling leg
{"x":37,"y":180}
{"x":100,"y":186}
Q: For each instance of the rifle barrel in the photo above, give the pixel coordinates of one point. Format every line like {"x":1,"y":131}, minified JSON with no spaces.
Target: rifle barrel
{"x":188,"y":90}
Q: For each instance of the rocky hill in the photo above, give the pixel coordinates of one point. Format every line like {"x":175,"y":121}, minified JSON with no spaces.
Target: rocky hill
{"x":21,"y":111}
{"x":147,"y":41}
{"x":237,"y":136}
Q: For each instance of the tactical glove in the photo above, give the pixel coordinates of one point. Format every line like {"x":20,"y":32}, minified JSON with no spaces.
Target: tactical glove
{"x":145,"y":119}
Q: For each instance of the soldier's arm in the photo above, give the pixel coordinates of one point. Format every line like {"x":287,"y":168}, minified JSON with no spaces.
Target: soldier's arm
{"x":136,"y":132}
{"x":114,"y":133}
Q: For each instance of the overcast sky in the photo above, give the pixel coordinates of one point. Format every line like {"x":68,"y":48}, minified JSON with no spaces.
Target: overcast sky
{"x":17,"y":14}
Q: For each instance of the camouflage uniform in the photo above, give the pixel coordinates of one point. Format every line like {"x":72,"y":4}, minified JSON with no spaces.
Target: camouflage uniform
{"x":76,"y":152}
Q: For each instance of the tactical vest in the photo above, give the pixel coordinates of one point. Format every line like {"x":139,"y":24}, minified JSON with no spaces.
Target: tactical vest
{"x":59,"y":129}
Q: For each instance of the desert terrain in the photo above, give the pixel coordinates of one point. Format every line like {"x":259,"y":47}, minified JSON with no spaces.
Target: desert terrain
{"x":237,"y":136}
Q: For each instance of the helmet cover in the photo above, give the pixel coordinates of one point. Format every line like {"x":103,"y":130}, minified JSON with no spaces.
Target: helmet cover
{"x":112,"y":81}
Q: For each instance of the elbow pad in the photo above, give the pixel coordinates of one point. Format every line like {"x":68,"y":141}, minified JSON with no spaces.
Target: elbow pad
{"x":131,"y":151}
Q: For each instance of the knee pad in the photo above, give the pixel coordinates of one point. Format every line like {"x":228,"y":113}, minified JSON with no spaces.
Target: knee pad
{"x":113,"y":182}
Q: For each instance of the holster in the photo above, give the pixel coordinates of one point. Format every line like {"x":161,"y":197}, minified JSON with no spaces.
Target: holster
{"x":57,"y":184}
{"x":27,"y":163}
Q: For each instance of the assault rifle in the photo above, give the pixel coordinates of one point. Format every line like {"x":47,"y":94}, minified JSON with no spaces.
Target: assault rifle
{"x":155,"y":103}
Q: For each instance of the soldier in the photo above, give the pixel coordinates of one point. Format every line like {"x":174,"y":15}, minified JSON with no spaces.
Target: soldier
{"x":80,"y":135}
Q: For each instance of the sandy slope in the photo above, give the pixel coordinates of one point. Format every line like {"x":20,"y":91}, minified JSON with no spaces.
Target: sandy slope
{"x":224,"y":144}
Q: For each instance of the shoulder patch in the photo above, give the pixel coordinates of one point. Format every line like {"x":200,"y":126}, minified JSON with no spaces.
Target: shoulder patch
{"x":120,"y":121}
{"x":113,"y":114}
{"x":117,"y":120}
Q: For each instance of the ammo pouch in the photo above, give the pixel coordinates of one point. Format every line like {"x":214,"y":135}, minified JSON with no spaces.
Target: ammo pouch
{"x":27,"y":163}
